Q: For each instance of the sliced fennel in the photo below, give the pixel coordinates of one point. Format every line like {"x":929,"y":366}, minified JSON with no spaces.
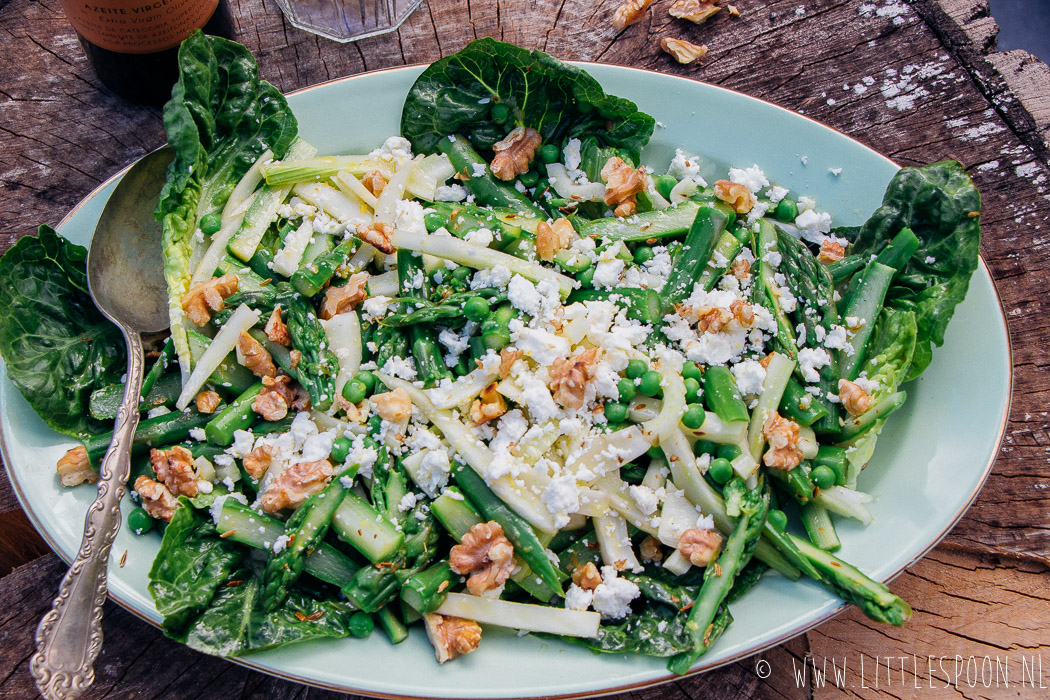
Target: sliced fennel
{"x":522,"y":616}
{"x":287,"y":259}
{"x":224,"y":342}
{"x":343,"y":332}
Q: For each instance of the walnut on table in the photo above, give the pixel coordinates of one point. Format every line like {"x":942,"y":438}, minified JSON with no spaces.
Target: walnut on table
{"x":696,"y":11}
{"x":683,"y":51}
{"x":629,"y":13}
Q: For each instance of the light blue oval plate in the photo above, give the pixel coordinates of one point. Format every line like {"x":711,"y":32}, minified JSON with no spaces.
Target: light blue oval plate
{"x":933,"y":456}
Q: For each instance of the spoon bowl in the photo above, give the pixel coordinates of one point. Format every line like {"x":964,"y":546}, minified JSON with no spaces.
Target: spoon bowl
{"x":126,"y":280}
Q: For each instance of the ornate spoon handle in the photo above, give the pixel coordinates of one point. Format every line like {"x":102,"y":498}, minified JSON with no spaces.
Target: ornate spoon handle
{"x":69,"y":637}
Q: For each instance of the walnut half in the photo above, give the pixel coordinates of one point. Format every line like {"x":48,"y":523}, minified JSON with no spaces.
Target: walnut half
{"x":701,"y":547}
{"x":205,"y":297}
{"x":339,"y":300}
{"x":156,"y":498}
{"x":486,"y":554}
{"x":295,"y":484}
{"x":451,"y":636}
{"x":569,"y":377}
{"x":550,"y":238}
{"x":74,"y":467}
{"x":854,"y":398}
{"x":174,"y":467}
{"x":735,"y":195}
{"x":515,"y":152}
{"x":782,"y":435}
{"x":623,"y":183}
{"x":630,"y":12}
{"x":696,"y":11}
{"x":683,"y":51}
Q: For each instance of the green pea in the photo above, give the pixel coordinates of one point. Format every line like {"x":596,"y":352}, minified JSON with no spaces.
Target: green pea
{"x":499,"y":112}
{"x":823,"y":477}
{"x":360,"y":625}
{"x":691,"y":370}
{"x":778,"y":518}
{"x":355,"y":391}
{"x":704,"y":447}
{"x":586,"y":277}
{"x":655,"y":452}
{"x":650,"y":383}
{"x":529,"y":179}
{"x":664,"y":185}
{"x":643,"y":253}
{"x":627,"y":390}
{"x":368,"y":379}
{"x":139,"y":521}
{"x":729,"y":452}
{"x":341,"y":449}
{"x":476,"y":309}
{"x":721,"y":470}
{"x":615,"y":412}
{"x":461,"y":273}
{"x":786,"y":210}
{"x":549,"y":153}
{"x":636,"y":368}
{"x":211,"y":223}
{"x":694,"y":416}
{"x":692,"y":391}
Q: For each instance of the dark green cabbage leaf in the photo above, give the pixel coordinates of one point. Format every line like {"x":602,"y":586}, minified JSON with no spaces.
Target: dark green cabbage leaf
{"x":940,"y":203}
{"x":455,"y":96}
{"x":58,"y":347}
{"x":221,"y":117}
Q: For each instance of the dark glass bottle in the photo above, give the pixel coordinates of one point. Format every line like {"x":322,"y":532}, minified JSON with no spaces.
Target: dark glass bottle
{"x":133,"y":45}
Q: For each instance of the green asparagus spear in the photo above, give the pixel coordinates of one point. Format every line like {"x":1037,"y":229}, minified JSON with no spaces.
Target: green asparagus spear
{"x":707,"y":228}
{"x":318,"y":365}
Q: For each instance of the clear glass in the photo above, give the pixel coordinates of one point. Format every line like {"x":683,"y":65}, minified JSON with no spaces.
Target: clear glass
{"x":347,"y":20}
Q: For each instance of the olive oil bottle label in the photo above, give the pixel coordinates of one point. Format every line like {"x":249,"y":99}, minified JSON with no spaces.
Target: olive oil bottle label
{"x":137,"y":26}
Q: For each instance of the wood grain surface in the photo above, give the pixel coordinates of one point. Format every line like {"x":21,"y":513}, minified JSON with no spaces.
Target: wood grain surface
{"x":915,"y":82}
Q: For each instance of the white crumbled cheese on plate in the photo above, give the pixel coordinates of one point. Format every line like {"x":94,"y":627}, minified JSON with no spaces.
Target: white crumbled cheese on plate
{"x":683,"y":166}
{"x":870,"y":386}
{"x":577,"y":598}
{"x":454,"y":343}
{"x":541,"y":345}
{"x":450,"y":193}
{"x":374,"y":308}
{"x":395,"y":149}
{"x":645,"y":497}
{"x":198,"y":434}
{"x":562,"y":498}
{"x":408,"y":502}
{"x":930,"y":260}
{"x":836,"y":338}
{"x":416,"y":281}
{"x":752,"y":178}
{"x":409,"y":217}
{"x":571,"y":154}
{"x":318,"y":447}
{"x":478,"y":169}
{"x":835,"y":171}
{"x":497,"y":276}
{"x":813,"y":225}
{"x":158,"y":411}
{"x":281,"y":543}
{"x":810,"y":360}
{"x":608,"y":270}
{"x":773,"y":258}
{"x":612,"y":598}
{"x":400,"y":367}
{"x":482,"y":237}
{"x":749,"y":376}
{"x":242,"y":444}
{"x":776,"y":193}
{"x":806,"y":203}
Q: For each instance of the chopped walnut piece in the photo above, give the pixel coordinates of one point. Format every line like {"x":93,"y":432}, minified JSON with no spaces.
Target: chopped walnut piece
{"x":830,"y":251}
{"x":205,"y":297}
{"x":207,"y":401}
{"x":650,"y":549}
{"x":700,"y":546}
{"x":586,"y":576}
{"x":276,"y":330}
{"x":710,"y":319}
{"x":338,"y":300}
{"x":258,"y":460}
{"x":486,"y":554}
{"x":626,"y":208}
{"x":156,"y":498}
{"x":782,"y":435}
{"x":451,"y":636}
{"x":630,"y":12}
{"x":696,"y":11}
{"x":395,"y":406}
{"x":507,"y":358}
{"x":735,"y":195}
{"x":278,"y":395}
{"x":741,"y":268}
{"x":74,"y":467}
{"x":374,"y":182}
{"x":175,"y":468}
{"x":622,"y":185}
{"x":515,"y":152}
{"x":550,"y":238}
{"x":489,"y":405}
{"x":294,"y":356}
{"x":295,"y":484}
{"x":854,"y":398}
{"x":683,"y":51}
{"x":569,"y":377}
{"x":733,"y":12}
{"x":743,"y":313}
{"x":378,"y":234}
{"x":255,"y":357}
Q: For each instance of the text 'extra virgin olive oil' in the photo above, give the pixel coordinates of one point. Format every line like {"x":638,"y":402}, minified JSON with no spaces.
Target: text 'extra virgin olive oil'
{"x":133,"y":44}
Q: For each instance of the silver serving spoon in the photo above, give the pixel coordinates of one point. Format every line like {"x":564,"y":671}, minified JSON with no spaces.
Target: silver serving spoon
{"x":126,"y":280}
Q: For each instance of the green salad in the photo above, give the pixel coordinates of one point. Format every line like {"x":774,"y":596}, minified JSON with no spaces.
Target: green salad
{"x":494,"y":371}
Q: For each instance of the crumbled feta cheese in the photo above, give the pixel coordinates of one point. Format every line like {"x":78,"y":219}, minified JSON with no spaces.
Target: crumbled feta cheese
{"x":400,"y":367}
{"x":683,"y":166}
{"x":753,"y":178}
{"x":482,"y":237}
{"x":374,"y":308}
{"x":571,"y":154}
{"x":562,"y":498}
{"x":813,"y":225}
{"x":281,"y":543}
{"x":646,"y":498}
{"x":498,"y":276}
{"x":836,"y":338}
{"x":157,"y":412}
{"x":749,"y":376}
{"x":810,"y":361}
{"x":577,"y":598}
{"x":198,"y":434}
{"x":450,"y":193}
{"x":612,"y":598}
{"x":407,"y":502}
{"x":478,"y":169}
{"x":776,"y":193}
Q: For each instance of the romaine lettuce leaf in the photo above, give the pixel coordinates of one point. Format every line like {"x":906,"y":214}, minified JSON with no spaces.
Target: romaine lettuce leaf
{"x":455,"y":96}
{"x":941,"y":205}
{"x":220,"y":119}
{"x":58,"y":347}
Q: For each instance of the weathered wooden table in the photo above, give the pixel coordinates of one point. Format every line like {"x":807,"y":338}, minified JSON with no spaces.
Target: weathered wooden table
{"x":915,"y":82}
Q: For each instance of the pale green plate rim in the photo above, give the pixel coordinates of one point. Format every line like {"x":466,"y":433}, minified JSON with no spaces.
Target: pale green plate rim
{"x":605,"y":73}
